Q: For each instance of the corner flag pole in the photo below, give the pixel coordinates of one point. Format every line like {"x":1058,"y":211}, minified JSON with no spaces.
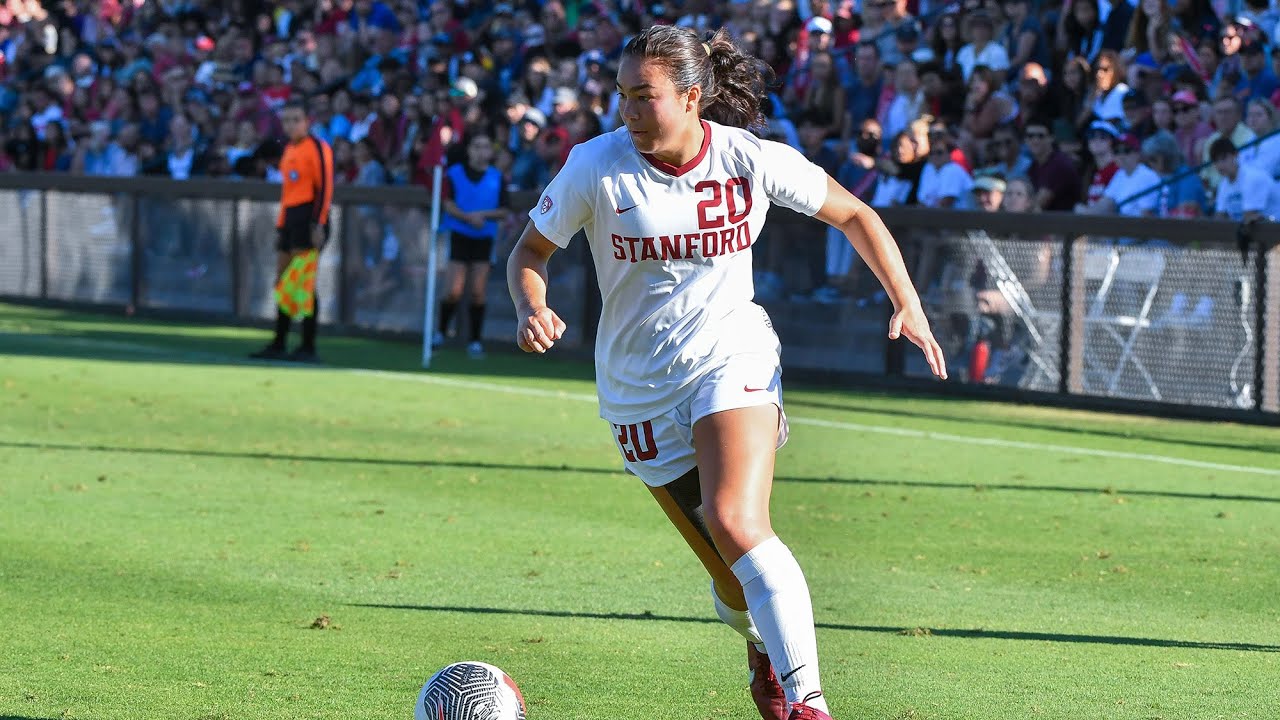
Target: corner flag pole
{"x":433,"y":232}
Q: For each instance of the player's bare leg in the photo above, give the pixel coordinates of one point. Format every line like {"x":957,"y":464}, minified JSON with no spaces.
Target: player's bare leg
{"x":681,"y":500}
{"x":735,"y":451}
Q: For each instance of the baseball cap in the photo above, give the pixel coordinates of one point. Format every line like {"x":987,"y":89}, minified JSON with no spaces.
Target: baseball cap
{"x":908,"y":32}
{"x":923,"y":54}
{"x":1104,"y":126}
{"x":988,"y":183}
{"x":1185,"y":97}
{"x":535,"y":116}
{"x":464,"y":87}
{"x":1130,"y":141}
{"x":564,"y":96}
{"x":818,"y":24}
{"x":204,"y":43}
{"x":534,"y":35}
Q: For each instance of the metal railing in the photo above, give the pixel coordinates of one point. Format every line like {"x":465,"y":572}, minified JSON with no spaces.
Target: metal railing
{"x":1158,"y":316}
{"x":1191,"y":171}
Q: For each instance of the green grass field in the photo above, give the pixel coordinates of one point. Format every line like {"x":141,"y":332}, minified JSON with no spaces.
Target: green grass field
{"x":174,"y":523}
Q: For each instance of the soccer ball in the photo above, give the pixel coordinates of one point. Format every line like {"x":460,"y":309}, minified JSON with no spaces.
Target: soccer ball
{"x":470,"y":691}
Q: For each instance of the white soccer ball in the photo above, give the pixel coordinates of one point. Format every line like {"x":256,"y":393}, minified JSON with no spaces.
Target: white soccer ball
{"x":470,"y":691}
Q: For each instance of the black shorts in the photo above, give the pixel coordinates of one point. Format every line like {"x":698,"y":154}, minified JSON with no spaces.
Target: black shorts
{"x":465,"y":249}
{"x":295,"y":235}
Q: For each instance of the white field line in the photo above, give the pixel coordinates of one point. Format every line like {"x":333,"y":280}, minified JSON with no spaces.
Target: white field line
{"x":858,"y":427}
{"x":972,"y":440}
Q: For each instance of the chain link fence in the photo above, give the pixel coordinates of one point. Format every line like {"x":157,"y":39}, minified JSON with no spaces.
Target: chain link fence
{"x":1151,"y":312}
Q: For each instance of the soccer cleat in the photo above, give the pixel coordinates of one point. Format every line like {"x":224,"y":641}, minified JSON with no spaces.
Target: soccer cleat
{"x":270,"y":352}
{"x":801,"y":711}
{"x":475,"y":350}
{"x":771,"y":701}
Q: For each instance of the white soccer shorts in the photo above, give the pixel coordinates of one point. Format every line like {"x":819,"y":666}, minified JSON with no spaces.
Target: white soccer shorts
{"x":660,"y":450}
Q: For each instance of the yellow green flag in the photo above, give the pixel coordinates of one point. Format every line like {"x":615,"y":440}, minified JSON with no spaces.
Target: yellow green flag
{"x":296,"y":288}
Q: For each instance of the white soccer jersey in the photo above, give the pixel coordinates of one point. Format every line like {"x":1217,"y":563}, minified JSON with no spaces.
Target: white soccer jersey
{"x":672,"y":248}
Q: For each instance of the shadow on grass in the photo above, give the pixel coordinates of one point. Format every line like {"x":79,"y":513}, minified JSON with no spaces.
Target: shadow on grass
{"x":485,"y":465}
{"x":217,"y":341}
{"x":967,"y":633}
{"x":1076,"y":427}
{"x":35,"y":332}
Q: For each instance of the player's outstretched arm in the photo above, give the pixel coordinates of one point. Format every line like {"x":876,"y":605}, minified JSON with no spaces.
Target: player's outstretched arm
{"x":538,"y":326}
{"x":876,"y":246}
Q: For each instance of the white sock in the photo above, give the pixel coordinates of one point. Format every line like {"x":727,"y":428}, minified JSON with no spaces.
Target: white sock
{"x":739,"y":620}
{"x":778,"y":600}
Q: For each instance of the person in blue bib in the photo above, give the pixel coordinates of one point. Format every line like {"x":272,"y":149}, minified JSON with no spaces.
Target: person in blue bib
{"x":474,"y":198}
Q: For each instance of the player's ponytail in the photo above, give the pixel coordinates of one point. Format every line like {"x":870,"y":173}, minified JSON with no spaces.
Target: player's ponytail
{"x":734,"y":84}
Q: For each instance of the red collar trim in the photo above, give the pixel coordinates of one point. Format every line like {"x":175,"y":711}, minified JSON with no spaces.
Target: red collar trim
{"x":670,"y":169}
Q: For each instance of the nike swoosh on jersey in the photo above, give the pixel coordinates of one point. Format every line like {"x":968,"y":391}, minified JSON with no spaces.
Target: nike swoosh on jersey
{"x":748,"y":388}
{"x":622,"y":210}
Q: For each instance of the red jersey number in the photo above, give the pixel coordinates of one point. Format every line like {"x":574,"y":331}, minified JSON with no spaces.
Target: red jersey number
{"x":733,"y":195}
{"x":636,"y":441}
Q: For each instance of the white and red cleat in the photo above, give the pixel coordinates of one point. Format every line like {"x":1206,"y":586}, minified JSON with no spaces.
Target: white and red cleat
{"x":771,"y":701}
{"x":801,"y":711}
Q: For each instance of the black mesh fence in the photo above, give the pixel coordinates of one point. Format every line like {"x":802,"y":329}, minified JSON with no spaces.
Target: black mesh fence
{"x":186,"y":247}
{"x":386,"y":259}
{"x":994,"y":301}
{"x":1168,"y":323}
{"x":88,"y":247}
{"x":21,"y":251}
{"x":1163,"y":312}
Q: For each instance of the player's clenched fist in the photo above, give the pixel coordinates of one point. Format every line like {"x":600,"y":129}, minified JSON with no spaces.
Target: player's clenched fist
{"x":540,"y":330}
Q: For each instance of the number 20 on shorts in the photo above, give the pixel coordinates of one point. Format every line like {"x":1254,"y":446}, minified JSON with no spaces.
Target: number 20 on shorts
{"x":636,"y":441}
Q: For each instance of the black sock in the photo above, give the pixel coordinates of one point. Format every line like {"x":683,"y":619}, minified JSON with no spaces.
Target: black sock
{"x":283,"y":321}
{"x":477,"y":321}
{"x":309,"y":328}
{"x":447,"y":309}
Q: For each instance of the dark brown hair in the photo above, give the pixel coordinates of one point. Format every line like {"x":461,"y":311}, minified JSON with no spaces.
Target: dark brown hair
{"x":734,"y":84}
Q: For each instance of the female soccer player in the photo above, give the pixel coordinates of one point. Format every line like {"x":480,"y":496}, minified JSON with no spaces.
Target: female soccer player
{"x":687,"y":366}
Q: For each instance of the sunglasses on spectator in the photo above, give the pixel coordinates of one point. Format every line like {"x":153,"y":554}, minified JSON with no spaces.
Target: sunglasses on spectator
{"x":1126,"y":150}
{"x":1036,"y":135}
{"x":1183,"y":108}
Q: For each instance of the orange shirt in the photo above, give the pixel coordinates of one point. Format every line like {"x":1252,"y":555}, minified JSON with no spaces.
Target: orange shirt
{"x":307,"y":167}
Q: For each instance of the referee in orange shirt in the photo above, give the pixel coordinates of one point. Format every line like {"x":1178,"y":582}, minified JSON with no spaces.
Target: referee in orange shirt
{"x":303,"y":223}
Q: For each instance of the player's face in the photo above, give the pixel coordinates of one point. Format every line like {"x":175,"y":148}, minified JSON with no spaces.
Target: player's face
{"x":649,"y":105}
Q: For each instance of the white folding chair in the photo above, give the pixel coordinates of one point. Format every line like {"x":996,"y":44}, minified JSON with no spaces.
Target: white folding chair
{"x":1120,"y":310}
{"x":1040,"y":326}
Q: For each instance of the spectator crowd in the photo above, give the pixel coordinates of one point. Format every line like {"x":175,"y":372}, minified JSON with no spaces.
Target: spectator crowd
{"x":1023,"y":105}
